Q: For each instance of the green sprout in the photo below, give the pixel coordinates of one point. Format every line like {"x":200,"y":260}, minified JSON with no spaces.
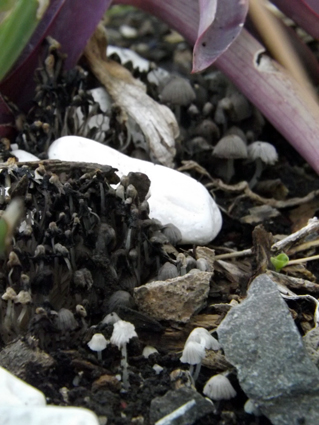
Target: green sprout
{"x":280,"y":261}
{"x":18,"y":21}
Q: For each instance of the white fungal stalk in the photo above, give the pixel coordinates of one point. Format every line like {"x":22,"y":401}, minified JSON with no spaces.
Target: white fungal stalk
{"x":122,"y":332}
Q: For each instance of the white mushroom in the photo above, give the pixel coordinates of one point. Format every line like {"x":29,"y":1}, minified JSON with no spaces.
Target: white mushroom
{"x":193,"y":354}
{"x":202,"y":336}
{"x":148,"y":350}
{"x":98,"y":343}
{"x":262,"y":153}
{"x":194,"y":350}
{"x":122,"y":332}
{"x":218,"y":387}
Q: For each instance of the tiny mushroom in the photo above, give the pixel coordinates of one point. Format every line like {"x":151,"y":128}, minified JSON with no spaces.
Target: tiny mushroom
{"x":172,"y":233}
{"x":251,"y":408}
{"x":24,"y":298}
{"x":178,"y":92}
{"x":202,"y":336}
{"x":122,"y":332}
{"x":9,"y":320}
{"x":148,"y":350}
{"x":262,"y":153}
{"x":198,"y":337}
{"x":230,"y":147}
{"x":98,"y":343}
{"x":193,"y":354}
{"x":218,"y":388}
{"x":167,"y":271}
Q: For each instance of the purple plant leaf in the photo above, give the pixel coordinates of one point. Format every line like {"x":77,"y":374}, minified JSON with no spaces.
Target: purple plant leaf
{"x":314,"y":5}
{"x":71,"y":23}
{"x":217,"y":23}
{"x":275,"y":93}
{"x":267,"y":85}
{"x":304,"y":12}
{"x":220,"y":23}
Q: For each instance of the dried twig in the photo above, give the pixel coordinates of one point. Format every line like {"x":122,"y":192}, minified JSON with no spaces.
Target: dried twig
{"x":293,"y":282}
{"x":312,"y":227}
{"x":243,"y":187}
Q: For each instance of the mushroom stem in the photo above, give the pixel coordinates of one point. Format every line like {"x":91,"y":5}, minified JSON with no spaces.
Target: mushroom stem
{"x":124,"y":365}
{"x":258,"y":171}
{"x":197,"y":370}
{"x":230,"y":170}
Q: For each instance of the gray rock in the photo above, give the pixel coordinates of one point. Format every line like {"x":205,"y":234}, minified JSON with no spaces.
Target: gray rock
{"x":311,"y":342}
{"x":174,"y":299}
{"x":185,"y":406}
{"x":18,"y":356}
{"x":261,"y":340}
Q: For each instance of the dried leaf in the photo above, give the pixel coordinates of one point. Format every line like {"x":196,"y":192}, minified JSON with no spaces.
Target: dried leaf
{"x":156,"y":121}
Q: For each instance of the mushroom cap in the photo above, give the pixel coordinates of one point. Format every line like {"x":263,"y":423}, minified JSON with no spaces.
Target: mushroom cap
{"x":39,"y":251}
{"x":97,"y":342}
{"x":251,"y":408}
{"x":81,"y":311}
{"x":148,"y":350}
{"x":66,"y":321}
{"x":264,"y":151}
{"x":218,"y":387}
{"x":23,"y":297}
{"x":167,"y":271}
{"x":110,"y":319}
{"x":122,"y":332}
{"x":202,"y":336}
{"x":172,"y":233}
{"x":13,"y":260}
{"x":10,"y":294}
{"x":193,"y":352}
{"x":177,"y":91}
{"x":230,"y":147}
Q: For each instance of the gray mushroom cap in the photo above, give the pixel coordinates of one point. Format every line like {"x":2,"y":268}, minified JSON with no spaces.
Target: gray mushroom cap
{"x":230,"y":147}
{"x":177,"y":91}
{"x":264,"y":151}
{"x":218,"y":387}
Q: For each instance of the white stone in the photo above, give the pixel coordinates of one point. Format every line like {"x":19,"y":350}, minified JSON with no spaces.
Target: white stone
{"x":175,"y":198}
{"x":24,"y":156}
{"x":15,"y":392}
{"x":50,"y":415}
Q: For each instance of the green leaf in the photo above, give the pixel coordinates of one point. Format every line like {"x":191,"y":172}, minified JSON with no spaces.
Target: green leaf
{"x":280,"y":261}
{"x":18,"y":20}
